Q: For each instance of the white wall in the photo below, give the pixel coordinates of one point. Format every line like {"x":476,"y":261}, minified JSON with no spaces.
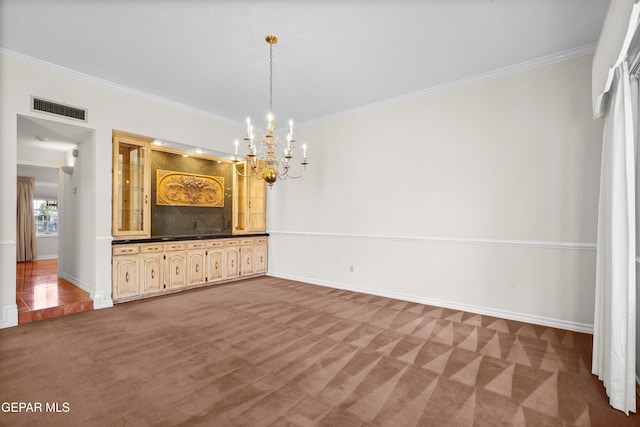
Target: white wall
{"x":109,"y":108}
{"x":47,"y":246}
{"x":78,"y":258}
{"x":483,"y":197}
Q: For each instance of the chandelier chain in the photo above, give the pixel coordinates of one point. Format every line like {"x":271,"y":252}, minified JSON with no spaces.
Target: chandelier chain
{"x":270,"y":77}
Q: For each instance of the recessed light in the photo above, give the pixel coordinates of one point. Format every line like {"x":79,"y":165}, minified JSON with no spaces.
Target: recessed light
{"x":41,"y":138}
{"x":199,"y":151}
{"x":158,"y":142}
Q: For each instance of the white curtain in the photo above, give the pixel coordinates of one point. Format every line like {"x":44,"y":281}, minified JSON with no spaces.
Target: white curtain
{"x":614,"y":335}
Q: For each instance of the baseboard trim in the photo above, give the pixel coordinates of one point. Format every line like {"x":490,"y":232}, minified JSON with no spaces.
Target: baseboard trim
{"x":79,"y":283}
{"x":503,"y":314}
{"x":100,"y":301}
{"x":46,"y":257}
{"x":450,"y":240}
{"x":9,"y":317}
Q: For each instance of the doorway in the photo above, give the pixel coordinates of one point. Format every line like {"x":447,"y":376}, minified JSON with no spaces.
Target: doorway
{"x":47,"y":150}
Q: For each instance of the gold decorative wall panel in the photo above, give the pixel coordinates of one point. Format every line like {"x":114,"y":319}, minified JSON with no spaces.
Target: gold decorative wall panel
{"x":187,"y":189}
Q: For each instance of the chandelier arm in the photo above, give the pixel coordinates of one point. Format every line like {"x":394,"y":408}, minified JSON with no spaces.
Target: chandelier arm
{"x":286,"y":175}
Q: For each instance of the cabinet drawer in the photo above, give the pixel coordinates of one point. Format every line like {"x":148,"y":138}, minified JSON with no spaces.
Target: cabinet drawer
{"x":215,"y":244}
{"x":246,"y":242}
{"x":176,"y":246}
{"x":234,"y":242}
{"x":153,"y":248}
{"x":126,"y":250}
{"x":199,"y":245}
{"x":261,"y":241}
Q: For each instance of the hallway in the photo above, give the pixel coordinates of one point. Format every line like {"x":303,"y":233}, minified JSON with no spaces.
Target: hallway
{"x":40,"y":294}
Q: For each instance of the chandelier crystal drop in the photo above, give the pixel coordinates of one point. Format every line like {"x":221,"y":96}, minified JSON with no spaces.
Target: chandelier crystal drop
{"x":269,"y":158}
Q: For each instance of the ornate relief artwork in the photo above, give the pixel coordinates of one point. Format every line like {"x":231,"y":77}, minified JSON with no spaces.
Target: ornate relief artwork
{"x":187,"y":189}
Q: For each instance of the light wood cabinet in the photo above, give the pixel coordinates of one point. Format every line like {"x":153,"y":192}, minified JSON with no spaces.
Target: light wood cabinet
{"x":196,"y":261}
{"x":257,"y":206}
{"x":249,"y":201}
{"x":214,"y":260}
{"x":148,"y":269}
{"x":131,"y":184}
{"x":231,"y":259}
{"x":260,"y":256}
{"x":176,"y":265}
{"x":152,"y":268}
{"x":125,"y":272}
{"x":246,"y":257}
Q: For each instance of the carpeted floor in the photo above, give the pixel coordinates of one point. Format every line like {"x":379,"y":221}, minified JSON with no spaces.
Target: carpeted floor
{"x":268,"y":351}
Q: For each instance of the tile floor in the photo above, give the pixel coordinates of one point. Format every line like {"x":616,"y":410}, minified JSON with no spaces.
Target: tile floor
{"x":40,"y":294}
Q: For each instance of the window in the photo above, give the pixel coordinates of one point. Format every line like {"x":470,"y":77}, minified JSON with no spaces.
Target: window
{"x":45,"y":215}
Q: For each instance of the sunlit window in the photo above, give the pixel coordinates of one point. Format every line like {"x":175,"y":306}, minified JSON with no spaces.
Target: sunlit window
{"x":45,"y":214}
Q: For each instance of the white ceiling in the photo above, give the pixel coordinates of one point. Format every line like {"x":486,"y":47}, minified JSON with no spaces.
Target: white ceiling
{"x":332,"y":56}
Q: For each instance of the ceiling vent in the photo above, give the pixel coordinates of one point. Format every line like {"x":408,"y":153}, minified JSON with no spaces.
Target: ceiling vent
{"x":50,"y":107}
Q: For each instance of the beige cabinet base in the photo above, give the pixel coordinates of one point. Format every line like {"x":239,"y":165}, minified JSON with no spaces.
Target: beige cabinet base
{"x":150,"y":269}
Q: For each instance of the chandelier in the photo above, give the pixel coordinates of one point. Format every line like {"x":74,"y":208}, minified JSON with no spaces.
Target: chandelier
{"x":269,"y":158}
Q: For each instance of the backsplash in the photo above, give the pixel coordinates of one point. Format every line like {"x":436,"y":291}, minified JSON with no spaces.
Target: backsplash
{"x":190,"y":220}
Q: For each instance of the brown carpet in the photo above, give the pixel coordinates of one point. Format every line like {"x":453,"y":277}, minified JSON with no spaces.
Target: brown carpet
{"x":268,"y":351}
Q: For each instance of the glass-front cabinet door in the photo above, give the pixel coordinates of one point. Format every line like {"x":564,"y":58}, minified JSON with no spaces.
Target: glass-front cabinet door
{"x":239,"y":209}
{"x":257,"y":205}
{"x":249,"y":201}
{"x":131,"y":182}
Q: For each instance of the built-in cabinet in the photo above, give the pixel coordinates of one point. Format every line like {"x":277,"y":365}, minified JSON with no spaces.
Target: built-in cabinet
{"x":126,"y":271}
{"x":176,"y":255}
{"x":260,"y":255}
{"x":231,"y":259}
{"x":148,"y":268}
{"x":249,"y":201}
{"x":151,"y":268}
{"x":196,"y":263}
{"x":214,"y":257}
{"x":131,"y":185}
{"x":132,"y":190}
{"x":141,"y":270}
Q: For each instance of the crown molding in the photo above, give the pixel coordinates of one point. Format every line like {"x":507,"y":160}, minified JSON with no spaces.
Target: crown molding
{"x":500,"y":72}
{"x":106,"y":84}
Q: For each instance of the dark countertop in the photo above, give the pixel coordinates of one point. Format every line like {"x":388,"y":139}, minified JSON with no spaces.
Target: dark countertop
{"x":156,"y":239}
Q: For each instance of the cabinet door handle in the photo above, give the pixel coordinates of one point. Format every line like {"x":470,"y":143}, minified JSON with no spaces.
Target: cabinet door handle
{"x":153,"y":274}
{"x":146,"y":199}
{"x":126,"y":276}
{"x":233,"y":263}
{"x":197,"y":268}
{"x":177,"y":270}
{"x":216,"y":265}
{"x":261,"y":260}
{"x":248,"y":261}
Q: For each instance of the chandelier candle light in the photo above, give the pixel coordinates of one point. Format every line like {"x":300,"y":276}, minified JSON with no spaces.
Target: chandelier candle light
{"x":269,"y":158}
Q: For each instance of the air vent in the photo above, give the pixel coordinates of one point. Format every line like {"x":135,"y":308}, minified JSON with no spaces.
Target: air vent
{"x":50,"y":107}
